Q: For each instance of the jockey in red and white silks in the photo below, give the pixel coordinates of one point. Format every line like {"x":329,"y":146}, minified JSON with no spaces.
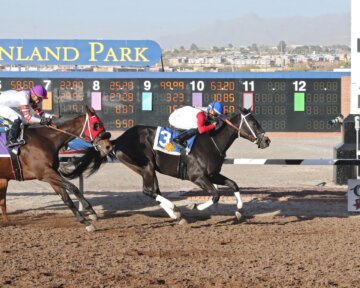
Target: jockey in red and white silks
{"x":195,"y":121}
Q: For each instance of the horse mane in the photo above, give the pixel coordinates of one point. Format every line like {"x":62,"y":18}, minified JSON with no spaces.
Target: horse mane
{"x":87,"y":164}
{"x":239,"y":110}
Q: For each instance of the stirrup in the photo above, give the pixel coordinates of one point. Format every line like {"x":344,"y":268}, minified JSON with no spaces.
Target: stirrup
{"x":13,"y":144}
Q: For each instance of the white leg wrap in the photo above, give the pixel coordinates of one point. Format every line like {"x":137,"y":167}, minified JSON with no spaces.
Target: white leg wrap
{"x":205,"y":205}
{"x":168,"y":210}
{"x":165,"y":201}
{"x":167,"y":205}
{"x":239,"y":204}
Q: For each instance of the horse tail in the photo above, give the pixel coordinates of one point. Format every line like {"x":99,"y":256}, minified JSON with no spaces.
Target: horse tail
{"x":87,"y":164}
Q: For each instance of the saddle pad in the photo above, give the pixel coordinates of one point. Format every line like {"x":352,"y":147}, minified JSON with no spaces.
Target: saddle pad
{"x":15,"y":164}
{"x":3,"y":149}
{"x":163,"y":139}
{"x":75,"y":148}
{"x":78,"y":144}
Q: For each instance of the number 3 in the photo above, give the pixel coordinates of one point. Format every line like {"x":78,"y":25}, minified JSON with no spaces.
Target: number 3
{"x":164,"y":138}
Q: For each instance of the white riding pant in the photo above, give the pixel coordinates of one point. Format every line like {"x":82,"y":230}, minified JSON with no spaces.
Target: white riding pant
{"x":184,"y":118}
{"x":8,"y":113}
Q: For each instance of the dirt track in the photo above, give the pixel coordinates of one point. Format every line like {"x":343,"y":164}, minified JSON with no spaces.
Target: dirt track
{"x":297,"y":233}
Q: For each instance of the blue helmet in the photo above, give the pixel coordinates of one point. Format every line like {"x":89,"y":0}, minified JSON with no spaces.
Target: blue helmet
{"x":217,"y":107}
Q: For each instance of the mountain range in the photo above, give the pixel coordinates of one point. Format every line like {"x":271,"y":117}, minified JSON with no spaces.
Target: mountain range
{"x":248,"y":29}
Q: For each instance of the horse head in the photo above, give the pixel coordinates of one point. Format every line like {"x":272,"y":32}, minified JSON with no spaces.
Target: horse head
{"x":89,"y":128}
{"x":93,"y":131}
{"x":248,"y":127}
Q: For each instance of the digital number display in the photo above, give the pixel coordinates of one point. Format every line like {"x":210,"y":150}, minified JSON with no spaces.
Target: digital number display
{"x":280,"y":105}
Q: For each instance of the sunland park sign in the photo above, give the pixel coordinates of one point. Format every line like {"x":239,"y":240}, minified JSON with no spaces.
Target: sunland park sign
{"x":79,"y":52}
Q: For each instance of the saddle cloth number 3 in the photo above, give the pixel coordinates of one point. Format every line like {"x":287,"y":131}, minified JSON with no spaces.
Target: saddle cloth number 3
{"x":164,"y":138}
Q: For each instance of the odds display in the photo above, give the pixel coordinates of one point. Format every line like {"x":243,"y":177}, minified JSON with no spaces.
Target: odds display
{"x":280,"y":105}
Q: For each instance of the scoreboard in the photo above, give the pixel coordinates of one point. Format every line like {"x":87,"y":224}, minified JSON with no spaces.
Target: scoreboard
{"x":292,"y":104}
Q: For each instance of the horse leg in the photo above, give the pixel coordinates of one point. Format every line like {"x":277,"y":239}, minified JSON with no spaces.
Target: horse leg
{"x":151,"y":186}
{"x":3,"y":188}
{"x":60,"y":186}
{"x":156,"y":185}
{"x":151,"y":189}
{"x":205,"y":184}
{"x":83,"y":201}
{"x":222,"y":180}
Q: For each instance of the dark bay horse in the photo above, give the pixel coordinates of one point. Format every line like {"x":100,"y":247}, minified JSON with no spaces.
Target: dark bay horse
{"x":134,"y":148}
{"x":39,"y":159}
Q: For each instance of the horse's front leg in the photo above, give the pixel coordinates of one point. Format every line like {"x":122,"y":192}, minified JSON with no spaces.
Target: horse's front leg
{"x":204,"y":183}
{"x":3,"y":189}
{"x":151,"y":189}
{"x":222,"y":180}
{"x":60,"y":185}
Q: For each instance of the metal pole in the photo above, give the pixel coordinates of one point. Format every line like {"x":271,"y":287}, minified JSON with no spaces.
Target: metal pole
{"x":162,"y":64}
{"x":357,"y":128}
{"x":81,"y":188}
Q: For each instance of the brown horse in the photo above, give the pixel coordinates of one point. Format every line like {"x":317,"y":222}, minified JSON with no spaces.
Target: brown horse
{"x":39,"y":159}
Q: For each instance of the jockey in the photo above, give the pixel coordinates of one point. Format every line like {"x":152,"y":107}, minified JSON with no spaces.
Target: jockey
{"x":205,"y":123}
{"x":23,"y":100}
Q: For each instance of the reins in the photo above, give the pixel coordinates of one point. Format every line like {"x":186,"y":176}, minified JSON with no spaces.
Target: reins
{"x":72,"y":134}
{"x":62,"y":131}
{"x":231,"y":124}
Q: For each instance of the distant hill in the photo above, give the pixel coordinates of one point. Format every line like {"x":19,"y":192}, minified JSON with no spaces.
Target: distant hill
{"x":249,"y":29}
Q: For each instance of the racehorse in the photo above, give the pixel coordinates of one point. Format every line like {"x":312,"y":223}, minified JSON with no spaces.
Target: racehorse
{"x":39,"y":159}
{"x":134,"y":148}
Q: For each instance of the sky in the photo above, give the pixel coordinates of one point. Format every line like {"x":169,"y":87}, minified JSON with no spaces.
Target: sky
{"x":142,"y":19}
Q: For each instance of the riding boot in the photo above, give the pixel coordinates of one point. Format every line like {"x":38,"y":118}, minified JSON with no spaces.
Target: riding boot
{"x":13,"y":133}
{"x":182,"y":137}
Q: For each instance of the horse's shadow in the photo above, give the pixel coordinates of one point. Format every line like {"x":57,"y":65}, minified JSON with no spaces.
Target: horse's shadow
{"x":299,"y":205}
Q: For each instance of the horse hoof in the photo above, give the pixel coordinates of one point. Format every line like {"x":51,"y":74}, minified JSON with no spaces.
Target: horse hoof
{"x":90,"y":228}
{"x":192,"y":206}
{"x":183,"y":221}
{"x":93,"y":217}
{"x":238,"y":215}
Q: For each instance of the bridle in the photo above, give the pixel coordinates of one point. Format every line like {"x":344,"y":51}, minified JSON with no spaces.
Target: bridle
{"x":252,"y":136}
{"x":89,"y":138}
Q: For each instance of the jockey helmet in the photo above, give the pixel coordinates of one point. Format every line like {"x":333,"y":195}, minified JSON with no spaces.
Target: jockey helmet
{"x":217,"y":107}
{"x":39,"y":91}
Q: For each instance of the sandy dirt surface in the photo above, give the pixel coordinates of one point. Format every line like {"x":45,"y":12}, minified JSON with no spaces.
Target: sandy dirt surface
{"x":296,"y":230}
